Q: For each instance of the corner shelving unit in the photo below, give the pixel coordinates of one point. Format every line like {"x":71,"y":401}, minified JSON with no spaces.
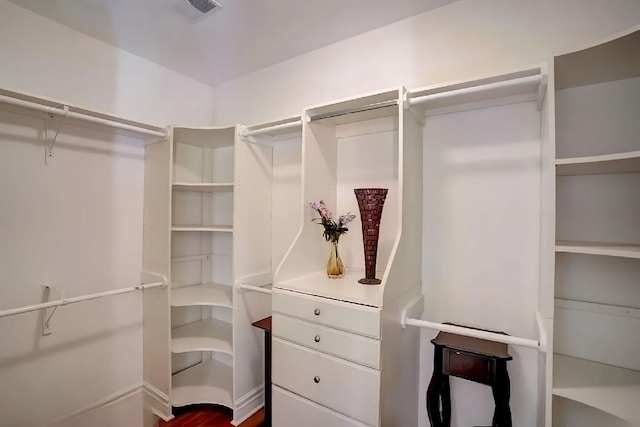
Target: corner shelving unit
{"x":201,"y":271}
{"x":597,"y":297}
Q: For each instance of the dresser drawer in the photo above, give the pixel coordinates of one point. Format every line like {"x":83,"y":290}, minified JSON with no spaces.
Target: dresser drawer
{"x":342,"y":386}
{"x":290,"y":410}
{"x":348,"y":346}
{"x":341,"y":315}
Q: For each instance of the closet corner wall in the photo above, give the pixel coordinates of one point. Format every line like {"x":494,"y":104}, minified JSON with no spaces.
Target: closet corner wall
{"x":596,"y":324}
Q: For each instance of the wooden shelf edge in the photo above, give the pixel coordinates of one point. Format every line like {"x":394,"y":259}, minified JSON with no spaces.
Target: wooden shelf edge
{"x":617,"y":163}
{"x":205,"y":228}
{"x":209,"y":294}
{"x":205,"y":335}
{"x":598,"y":248}
{"x":208,"y":382}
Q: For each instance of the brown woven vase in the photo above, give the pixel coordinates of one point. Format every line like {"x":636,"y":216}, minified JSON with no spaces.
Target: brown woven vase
{"x":370,"y":202}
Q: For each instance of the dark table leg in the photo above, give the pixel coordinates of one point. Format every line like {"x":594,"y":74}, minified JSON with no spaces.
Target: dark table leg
{"x":439,"y":391}
{"x":501,"y":394}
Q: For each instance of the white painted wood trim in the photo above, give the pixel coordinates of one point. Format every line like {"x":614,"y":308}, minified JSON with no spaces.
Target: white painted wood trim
{"x":596,"y":248}
{"x":248,"y":405}
{"x":219,"y":228}
{"x":213,"y":294}
{"x":611,"y":310}
{"x":106,"y":401}
{"x":202,"y":186}
{"x":628,"y":162}
{"x":157,"y":402}
{"x":204,"y":335}
{"x":610,"y":389}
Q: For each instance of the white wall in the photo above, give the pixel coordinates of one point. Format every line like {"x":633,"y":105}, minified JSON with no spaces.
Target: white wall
{"x":44,"y":58}
{"x":465,"y":39}
{"x":76,"y":222}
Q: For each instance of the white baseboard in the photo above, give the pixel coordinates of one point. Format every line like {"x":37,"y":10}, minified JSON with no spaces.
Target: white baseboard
{"x":248,"y":405}
{"x":132,"y":392}
{"x":157,"y":402}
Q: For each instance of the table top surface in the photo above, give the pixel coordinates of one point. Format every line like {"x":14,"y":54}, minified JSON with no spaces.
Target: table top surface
{"x":476,"y":345}
{"x":263,"y":324}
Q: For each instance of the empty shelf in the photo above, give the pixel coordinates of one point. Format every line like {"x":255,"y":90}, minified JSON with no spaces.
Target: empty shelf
{"x":595,"y":248}
{"x":203,"y":187}
{"x":205,"y":294}
{"x":610,"y":389}
{"x":223,"y":228}
{"x":207,"y":382}
{"x":598,"y":165}
{"x":205,"y":335}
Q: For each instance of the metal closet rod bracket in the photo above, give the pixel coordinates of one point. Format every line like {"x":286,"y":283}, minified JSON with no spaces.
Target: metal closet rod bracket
{"x":48,"y":313}
{"x":49,"y":144}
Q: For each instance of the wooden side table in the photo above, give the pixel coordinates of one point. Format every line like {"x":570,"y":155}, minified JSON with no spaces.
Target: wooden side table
{"x":265,"y":324}
{"x":475,"y":360}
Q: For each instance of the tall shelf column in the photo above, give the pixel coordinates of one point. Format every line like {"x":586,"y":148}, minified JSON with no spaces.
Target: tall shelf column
{"x":596,"y":369}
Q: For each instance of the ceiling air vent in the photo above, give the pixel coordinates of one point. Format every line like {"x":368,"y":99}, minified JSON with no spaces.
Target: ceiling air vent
{"x":195,"y":10}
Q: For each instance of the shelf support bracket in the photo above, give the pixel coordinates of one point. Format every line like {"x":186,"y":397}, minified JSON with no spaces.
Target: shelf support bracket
{"x":47,"y":313}
{"x":51,"y":142}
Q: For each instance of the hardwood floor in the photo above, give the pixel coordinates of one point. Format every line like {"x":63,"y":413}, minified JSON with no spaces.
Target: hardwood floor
{"x":209,"y":416}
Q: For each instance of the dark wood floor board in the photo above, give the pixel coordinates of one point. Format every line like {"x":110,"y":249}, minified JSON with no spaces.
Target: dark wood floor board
{"x":209,"y":416}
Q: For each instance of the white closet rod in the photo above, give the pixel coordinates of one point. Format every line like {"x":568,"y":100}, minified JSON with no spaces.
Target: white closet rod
{"x":283,"y":126}
{"x":522,"y":81}
{"x":64,"y":112}
{"x":67,"y":301}
{"x":254,"y":288}
{"x":485,"y":335}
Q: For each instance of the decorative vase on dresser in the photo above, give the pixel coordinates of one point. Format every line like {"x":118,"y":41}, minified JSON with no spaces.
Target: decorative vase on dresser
{"x":335,"y":343}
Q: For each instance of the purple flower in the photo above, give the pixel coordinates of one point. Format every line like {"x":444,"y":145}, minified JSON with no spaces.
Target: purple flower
{"x":346,"y":218}
{"x":332,"y":231}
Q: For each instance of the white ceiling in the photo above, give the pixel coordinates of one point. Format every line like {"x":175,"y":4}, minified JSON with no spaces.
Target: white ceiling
{"x":242,"y":37}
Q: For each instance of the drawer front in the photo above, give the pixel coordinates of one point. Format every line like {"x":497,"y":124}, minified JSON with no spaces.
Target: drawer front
{"x":290,"y":410}
{"x":342,"y":386}
{"x":467,"y":365}
{"x":355,"y":348}
{"x":341,"y":315}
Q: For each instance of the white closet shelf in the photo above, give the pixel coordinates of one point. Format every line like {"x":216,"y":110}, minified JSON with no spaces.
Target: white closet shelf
{"x":208,"y":382}
{"x":519,"y":86}
{"x":205,"y":335}
{"x":628,"y":162}
{"x":203,"y":187}
{"x":205,"y":136}
{"x":346,"y":288}
{"x":610,"y":389}
{"x":221,"y":228}
{"x":213,"y":294}
{"x":596,"y":248}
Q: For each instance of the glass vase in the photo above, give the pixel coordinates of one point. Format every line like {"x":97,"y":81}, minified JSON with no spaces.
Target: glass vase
{"x":335,"y":267}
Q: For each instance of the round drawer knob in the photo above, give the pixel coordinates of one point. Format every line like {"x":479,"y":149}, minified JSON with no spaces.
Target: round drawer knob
{"x":316,"y":338}
{"x":316,"y":380}
{"x":316,"y":312}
